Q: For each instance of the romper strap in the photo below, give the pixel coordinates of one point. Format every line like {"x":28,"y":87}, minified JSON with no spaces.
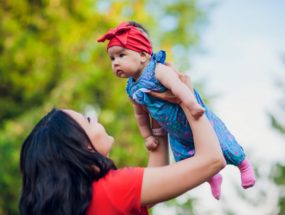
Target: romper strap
{"x":159,"y":57}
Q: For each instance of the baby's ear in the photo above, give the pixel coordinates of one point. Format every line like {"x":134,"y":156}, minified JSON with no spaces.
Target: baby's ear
{"x":144,"y":57}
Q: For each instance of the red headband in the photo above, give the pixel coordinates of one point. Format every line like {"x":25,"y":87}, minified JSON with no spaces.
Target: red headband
{"x":129,"y":37}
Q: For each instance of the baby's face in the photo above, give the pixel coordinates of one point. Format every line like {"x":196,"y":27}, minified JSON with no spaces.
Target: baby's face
{"x":125,"y":62}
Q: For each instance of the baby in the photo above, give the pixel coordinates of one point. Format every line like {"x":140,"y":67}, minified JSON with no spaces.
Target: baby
{"x":131,"y":56}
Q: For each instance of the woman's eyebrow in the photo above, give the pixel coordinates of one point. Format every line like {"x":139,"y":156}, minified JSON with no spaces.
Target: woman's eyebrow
{"x":86,"y":117}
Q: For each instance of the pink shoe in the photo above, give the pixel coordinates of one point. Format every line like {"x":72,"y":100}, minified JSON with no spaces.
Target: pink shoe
{"x":215,"y":183}
{"x":247,"y":174}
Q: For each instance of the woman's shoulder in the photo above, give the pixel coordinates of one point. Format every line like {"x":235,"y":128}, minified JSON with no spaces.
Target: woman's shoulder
{"x":122,"y":175}
{"x":125,"y":170}
{"x":118,"y":190}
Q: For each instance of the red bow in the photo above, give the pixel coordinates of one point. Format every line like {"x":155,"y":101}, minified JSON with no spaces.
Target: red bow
{"x":129,"y":37}
{"x":120,"y":33}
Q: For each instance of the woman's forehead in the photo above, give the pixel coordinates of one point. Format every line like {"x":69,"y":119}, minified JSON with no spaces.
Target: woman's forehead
{"x":75,"y":115}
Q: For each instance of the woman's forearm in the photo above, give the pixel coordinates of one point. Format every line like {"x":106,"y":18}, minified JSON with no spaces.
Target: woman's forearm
{"x":159,"y":156}
{"x":163,"y":183}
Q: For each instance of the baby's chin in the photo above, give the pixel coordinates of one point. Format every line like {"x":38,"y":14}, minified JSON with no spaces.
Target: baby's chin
{"x":122,"y":76}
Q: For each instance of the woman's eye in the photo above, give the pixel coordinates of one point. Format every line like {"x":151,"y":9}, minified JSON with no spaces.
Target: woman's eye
{"x":88,"y":119}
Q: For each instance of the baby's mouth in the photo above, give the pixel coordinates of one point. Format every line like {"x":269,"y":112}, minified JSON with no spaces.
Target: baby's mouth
{"x":119,"y":73}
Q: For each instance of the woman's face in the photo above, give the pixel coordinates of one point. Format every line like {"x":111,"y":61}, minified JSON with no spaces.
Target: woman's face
{"x":100,"y":140}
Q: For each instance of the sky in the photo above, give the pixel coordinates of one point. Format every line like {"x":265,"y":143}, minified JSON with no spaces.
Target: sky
{"x":243,"y":44}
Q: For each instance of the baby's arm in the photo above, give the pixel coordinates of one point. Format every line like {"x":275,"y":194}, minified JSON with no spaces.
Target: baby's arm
{"x":170,"y":79}
{"x":144,"y":125}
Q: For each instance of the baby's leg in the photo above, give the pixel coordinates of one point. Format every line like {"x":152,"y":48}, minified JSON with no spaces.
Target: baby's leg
{"x":215,"y":183}
{"x":247,"y":174}
{"x":195,"y":108}
{"x":232,"y":151}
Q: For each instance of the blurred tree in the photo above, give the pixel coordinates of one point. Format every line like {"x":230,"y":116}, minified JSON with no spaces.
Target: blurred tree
{"x":278,"y":123}
{"x":49,"y":57}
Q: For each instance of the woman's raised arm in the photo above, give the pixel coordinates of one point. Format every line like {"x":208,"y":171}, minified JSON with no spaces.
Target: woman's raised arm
{"x":163,"y":183}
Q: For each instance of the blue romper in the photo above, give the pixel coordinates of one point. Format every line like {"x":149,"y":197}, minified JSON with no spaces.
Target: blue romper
{"x":172,"y":118}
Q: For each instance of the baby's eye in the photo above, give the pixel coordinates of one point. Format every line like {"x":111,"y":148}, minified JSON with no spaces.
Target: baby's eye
{"x":122,"y":55}
{"x":112,"y":58}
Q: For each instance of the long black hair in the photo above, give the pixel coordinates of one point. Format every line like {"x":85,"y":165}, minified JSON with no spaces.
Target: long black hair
{"x":58,"y":168}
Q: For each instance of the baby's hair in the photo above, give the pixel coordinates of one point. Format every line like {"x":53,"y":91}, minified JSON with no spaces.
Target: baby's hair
{"x":139,"y":26}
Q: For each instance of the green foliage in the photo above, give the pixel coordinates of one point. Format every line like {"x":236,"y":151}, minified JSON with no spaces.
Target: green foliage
{"x":49,"y":58}
{"x":278,"y":172}
{"x":276,"y":124}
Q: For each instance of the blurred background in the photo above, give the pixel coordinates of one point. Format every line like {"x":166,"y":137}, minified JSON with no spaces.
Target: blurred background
{"x":233,"y":50}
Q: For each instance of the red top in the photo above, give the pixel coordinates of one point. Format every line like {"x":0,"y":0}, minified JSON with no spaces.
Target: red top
{"x":119,"y":192}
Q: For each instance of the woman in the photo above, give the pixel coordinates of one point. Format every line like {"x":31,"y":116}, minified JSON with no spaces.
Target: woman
{"x":66,"y":169}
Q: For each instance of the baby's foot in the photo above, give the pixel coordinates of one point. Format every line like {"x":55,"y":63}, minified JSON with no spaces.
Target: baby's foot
{"x":247,"y":174}
{"x":215,"y":183}
{"x":196,"y":110}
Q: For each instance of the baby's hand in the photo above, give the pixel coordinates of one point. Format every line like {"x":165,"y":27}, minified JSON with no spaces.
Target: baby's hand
{"x":196,"y":110}
{"x":151,"y":143}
